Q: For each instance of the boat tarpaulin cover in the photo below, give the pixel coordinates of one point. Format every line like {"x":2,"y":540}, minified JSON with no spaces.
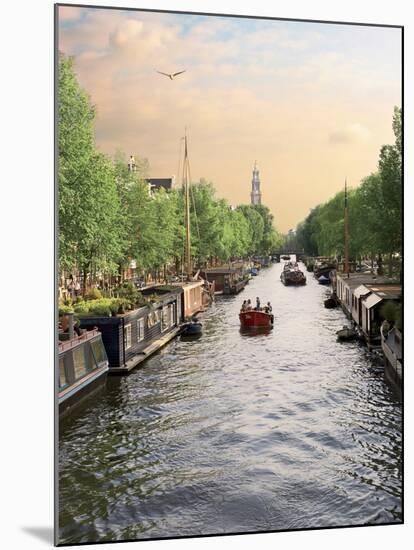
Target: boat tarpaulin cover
{"x":361,"y":290}
{"x":372,"y":300}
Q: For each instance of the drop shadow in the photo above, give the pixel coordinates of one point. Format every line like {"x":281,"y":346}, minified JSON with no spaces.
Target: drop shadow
{"x":44,"y":534}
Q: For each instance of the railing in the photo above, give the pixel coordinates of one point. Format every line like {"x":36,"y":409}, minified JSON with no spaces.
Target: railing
{"x":88,"y":335}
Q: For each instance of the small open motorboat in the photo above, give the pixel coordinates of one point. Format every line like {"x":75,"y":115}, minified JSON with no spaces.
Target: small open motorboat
{"x":192,"y":328}
{"x":346,"y":333}
{"x":255,"y":319}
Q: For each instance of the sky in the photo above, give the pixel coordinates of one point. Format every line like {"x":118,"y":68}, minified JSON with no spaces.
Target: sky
{"x":312,"y":103}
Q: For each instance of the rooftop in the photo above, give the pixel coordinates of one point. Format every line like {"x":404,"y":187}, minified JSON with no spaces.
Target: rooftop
{"x":356,"y":279}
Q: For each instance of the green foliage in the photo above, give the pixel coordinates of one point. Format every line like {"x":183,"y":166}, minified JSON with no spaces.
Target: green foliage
{"x":81,"y":307}
{"x":65,"y":309}
{"x":389,"y":311}
{"x":105,"y":307}
{"x":375,"y":216}
{"x":153,"y":299}
{"x":93,"y":294}
{"x":107,"y":215}
{"x":89,"y":206}
{"x":129,"y":295}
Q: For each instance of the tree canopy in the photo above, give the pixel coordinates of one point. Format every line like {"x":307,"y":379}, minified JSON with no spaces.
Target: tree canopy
{"x":375,"y":217}
{"x":109,"y":216}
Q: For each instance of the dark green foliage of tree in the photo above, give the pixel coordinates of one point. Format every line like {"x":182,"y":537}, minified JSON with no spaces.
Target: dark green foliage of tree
{"x":108,"y":215}
{"x":374,"y":209}
{"x":88,"y":200}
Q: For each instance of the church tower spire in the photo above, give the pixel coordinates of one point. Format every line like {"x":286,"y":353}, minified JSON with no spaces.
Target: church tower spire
{"x":256,"y":195}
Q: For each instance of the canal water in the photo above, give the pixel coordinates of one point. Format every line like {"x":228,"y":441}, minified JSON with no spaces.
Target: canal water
{"x":237,"y":433}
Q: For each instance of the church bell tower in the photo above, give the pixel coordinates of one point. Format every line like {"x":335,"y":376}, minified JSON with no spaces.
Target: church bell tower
{"x":256,"y":195}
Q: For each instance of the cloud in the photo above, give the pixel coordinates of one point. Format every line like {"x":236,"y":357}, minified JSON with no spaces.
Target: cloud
{"x":249,"y":92}
{"x":352,"y":133}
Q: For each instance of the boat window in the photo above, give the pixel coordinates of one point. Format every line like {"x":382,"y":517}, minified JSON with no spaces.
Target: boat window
{"x":62,"y":374}
{"x":153,"y":318}
{"x":140,"y":330}
{"x":98,"y":351}
{"x":79,"y":362}
{"x":127,"y":336}
{"x":166,"y":318}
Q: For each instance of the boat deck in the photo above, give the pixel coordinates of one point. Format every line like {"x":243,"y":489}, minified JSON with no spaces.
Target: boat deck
{"x":145,"y":353}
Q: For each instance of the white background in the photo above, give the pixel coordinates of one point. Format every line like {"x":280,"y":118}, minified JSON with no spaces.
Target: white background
{"x":26,"y":299}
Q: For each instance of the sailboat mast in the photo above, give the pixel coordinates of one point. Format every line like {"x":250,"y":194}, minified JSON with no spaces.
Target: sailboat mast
{"x":187,"y":211}
{"x":346,"y":220}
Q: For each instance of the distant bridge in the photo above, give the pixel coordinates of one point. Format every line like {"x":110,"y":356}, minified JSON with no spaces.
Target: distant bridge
{"x":288,"y":252}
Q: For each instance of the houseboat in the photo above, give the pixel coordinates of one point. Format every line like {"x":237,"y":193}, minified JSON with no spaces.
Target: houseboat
{"x":197,"y":296}
{"x":263,"y":261}
{"x":352,"y":288}
{"x":227,"y":280}
{"x":132,"y":337}
{"x":292,"y":275}
{"x":391,"y":344}
{"x":83,"y":366}
{"x":371,"y":315}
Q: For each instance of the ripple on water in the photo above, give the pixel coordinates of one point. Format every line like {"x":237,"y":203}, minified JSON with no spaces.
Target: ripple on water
{"x":235,"y":433}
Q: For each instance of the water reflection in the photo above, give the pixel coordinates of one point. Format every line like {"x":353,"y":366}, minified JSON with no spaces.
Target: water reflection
{"x":237,"y":432}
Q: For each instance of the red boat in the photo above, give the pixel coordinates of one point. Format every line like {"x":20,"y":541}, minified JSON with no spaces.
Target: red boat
{"x":253,"y":319}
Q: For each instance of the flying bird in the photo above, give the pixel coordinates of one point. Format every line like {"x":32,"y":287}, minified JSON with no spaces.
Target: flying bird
{"x":171,"y":76}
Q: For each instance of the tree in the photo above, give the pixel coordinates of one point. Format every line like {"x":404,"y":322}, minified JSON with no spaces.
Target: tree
{"x":90,"y":235}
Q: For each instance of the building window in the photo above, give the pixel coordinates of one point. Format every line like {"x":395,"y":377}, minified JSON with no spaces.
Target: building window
{"x":140,"y":330}
{"x":127,"y":336}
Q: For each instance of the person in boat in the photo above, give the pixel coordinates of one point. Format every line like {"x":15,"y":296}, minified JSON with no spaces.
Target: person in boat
{"x":248,"y":305}
{"x":267,"y":308}
{"x":257,"y":308}
{"x":244,"y":306}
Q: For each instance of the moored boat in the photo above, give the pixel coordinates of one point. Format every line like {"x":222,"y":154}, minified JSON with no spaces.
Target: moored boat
{"x":83,"y":367}
{"x":331,"y":302}
{"x":255,"y":319}
{"x":192,"y":328}
{"x":346,"y":333}
{"x":324,"y":280}
{"x":323,"y":270}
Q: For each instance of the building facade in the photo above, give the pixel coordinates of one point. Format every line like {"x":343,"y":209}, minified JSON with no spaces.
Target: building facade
{"x":256,"y":194}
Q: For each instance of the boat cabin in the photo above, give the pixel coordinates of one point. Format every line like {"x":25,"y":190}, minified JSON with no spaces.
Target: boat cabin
{"x":371,"y":305}
{"x":346,"y":286}
{"x":193,"y":297}
{"x":83,"y":366}
{"x":131,"y":337}
{"x":226,"y":280}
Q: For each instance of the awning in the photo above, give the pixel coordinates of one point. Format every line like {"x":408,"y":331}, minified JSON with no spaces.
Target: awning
{"x":361,"y":290}
{"x":372,"y":300}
